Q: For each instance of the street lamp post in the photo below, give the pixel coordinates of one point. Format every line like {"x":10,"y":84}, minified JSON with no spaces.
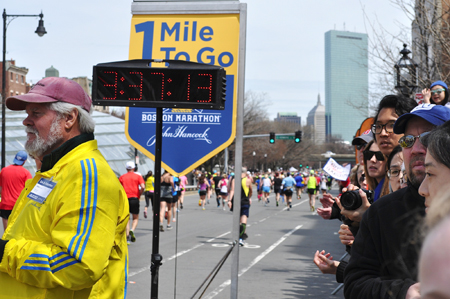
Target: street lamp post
{"x":254,"y":154}
{"x":39,"y":31}
{"x":265,"y":161}
{"x":405,"y":73}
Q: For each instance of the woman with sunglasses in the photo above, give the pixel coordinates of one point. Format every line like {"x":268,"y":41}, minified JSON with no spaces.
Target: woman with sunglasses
{"x":375,"y":168}
{"x":436,"y":94}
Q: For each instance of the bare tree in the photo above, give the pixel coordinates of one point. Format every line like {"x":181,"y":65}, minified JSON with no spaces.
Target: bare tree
{"x":430,"y":33}
{"x":427,"y":35}
{"x":255,"y":112}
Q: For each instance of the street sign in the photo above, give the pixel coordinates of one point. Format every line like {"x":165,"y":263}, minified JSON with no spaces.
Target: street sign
{"x":284,"y":137}
{"x":190,"y":136}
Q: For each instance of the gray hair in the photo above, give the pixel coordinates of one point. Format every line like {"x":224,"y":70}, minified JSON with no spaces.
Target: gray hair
{"x":86,"y":122}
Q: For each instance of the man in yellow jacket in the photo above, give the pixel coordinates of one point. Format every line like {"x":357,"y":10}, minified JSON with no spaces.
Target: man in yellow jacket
{"x":66,"y":234}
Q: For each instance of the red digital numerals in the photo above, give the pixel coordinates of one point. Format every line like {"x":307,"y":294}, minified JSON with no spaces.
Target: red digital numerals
{"x":137,"y":86}
{"x":162,"y":84}
{"x":111,"y":85}
{"x":208,"y":88}
{"x":128,"y":86}
{"x":189,"y":87}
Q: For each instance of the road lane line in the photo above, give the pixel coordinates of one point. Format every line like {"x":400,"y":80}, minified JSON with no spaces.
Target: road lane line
{"x":254,"y":262}
{"x":178,"y":254}
{"x":284,"y":209}
{"x":138,"y":271}
{"x":222,"y":235}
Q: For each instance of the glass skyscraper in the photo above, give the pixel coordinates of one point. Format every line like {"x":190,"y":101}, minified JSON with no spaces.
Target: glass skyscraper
{"x":346,"y":83}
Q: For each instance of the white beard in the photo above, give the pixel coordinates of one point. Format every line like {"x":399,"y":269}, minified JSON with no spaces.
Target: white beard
{"x":39,"y":146}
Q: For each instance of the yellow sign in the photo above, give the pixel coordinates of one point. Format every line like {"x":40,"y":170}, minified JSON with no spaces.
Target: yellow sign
{"x":190,"y":136}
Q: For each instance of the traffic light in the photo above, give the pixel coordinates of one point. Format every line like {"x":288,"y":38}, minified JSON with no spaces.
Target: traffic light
{"x":272,"y":138}
{"x":298,"y":136}
{"x":307,"y":166}
{"x":301,"y":165}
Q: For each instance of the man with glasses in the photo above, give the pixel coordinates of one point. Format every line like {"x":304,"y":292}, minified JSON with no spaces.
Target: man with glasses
{"x":384,"y":254}
{"x":389,"y":109}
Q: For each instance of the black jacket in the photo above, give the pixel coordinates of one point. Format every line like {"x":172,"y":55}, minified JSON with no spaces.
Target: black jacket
{"x":384,"y":255}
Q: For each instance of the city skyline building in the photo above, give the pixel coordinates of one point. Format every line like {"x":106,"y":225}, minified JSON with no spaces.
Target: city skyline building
{"x":290,"y":117}
{"x":316,"y":119}
{"x":346,"y":83}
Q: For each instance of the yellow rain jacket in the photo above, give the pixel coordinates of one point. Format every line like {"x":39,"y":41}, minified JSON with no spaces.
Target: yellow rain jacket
{"x":73,"y":245}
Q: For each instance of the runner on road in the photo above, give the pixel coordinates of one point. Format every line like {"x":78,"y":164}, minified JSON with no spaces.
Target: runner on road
{"x":288,"y":185}
{"x":266,"y":184}
{"x":216,"y":180}
{"x":299,"y":185}
{"x":277,"y":188}
{"x":246,"y":201}
{"x":311,"y":183}
{"x":134,"y":186}
{"x":202,"y":187}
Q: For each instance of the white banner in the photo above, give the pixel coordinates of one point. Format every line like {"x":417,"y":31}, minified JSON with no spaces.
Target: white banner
{"x":336,"y":170}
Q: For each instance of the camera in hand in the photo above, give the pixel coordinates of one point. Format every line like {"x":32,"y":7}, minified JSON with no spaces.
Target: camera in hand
{"x":351,"y":200}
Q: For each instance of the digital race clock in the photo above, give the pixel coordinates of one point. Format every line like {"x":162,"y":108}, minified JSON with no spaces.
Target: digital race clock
{"x":182,"y":84}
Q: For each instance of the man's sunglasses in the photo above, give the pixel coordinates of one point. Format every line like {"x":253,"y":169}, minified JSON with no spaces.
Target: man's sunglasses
{"x":408,"y":140}
{"x":437,"y":91}
{"x":369,"y":154}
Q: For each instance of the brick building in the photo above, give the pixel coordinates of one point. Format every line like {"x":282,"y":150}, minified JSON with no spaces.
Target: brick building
{"x":16,"y":79}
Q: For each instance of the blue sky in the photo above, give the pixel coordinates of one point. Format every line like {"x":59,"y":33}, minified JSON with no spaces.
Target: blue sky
{"x":285,"y":41}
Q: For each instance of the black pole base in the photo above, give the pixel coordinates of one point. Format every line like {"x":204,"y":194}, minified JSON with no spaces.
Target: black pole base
{"x":154,"y":269}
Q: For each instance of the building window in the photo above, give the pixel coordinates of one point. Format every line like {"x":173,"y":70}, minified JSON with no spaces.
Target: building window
{"x":12,"y":76}
{"x":17,"y":78}
{"x":23,"y":79}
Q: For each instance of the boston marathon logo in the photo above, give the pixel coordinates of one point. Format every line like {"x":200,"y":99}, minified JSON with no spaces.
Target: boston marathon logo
{"x":184,"y":118}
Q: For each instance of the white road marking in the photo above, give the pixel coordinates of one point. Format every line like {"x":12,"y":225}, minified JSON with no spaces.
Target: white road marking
{"x":284,"y":209}
{"x":146,"y":268}
{"x":221,"y":245}
{"x":251,"y":246}
{"x":220,"y":236}
{"x":254,"y":262}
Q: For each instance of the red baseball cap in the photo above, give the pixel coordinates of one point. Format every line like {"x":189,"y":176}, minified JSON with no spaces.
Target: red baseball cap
{"x":50,"y":90}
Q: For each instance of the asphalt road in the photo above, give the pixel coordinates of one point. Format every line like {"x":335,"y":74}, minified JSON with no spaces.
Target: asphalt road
{"x":275,"y":263}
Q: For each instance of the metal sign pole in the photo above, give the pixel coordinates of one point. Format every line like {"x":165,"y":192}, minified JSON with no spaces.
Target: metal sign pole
{"x":238,"y":152}
{"x":156,"y":257}
{"x":225,"y":161}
